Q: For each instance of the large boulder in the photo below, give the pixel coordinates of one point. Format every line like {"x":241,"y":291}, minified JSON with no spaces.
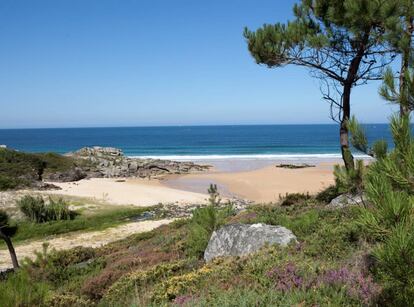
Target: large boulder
{"x":243,"y":239}
{"x":347,"y":199}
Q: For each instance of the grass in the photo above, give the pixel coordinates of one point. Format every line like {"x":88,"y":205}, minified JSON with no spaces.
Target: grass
{"x":157,"y":269}
{"x":98,"y":220}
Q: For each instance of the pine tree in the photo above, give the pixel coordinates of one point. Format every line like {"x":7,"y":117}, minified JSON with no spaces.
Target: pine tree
{"x":342,"y":42}
{"x":400,"y":31}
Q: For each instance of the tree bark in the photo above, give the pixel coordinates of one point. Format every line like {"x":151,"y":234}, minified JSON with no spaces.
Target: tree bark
{"x":343,"y":128}
{"x":346,"y":102}
{"x":11,"y":249}
{"x":405,"y":109}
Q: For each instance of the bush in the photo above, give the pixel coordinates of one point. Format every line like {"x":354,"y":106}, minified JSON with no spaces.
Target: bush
{"x":294,"y":198}
{"x":325,"y":196}
{"x":202,"y":224}
{"x":352,"y":180}
{"x":395,"y":258}
{"x":206,"y":220}
{"x":38,"y":211}
{"x":67,"y":300}
{"x":20,"y":290}
{"x":389,"y":218}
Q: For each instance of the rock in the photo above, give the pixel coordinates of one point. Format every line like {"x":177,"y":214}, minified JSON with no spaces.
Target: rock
{"x":111,"y":162}
{"x":243,"y":239}
{"x":75,"y":174}
{"x":347,"y":199}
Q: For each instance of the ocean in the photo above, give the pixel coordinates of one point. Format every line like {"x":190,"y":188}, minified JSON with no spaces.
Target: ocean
{"x":194,"y":142}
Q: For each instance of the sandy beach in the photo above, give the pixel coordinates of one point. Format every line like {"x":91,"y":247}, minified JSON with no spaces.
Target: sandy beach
{"x":139,"y":192}
{"x":263,"y":184}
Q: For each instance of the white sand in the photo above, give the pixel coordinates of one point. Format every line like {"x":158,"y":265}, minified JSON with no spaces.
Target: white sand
{"x":139,"y":192}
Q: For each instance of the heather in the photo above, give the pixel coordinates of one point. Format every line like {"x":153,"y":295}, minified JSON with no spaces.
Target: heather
{"x":330,"y":265}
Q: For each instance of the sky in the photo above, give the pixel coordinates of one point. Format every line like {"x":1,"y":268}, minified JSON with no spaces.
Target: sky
{"x":104,"y":63}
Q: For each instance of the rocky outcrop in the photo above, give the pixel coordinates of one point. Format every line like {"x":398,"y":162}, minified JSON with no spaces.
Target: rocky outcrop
{"x":347,"y":199}
{"x":75,"y":174}
{"x":243,"y":239}
{"x":111,"y":162}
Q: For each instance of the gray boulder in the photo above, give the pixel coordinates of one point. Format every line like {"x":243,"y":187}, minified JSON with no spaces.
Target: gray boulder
{"x":243,"y":239}
{"x":347,"y":199}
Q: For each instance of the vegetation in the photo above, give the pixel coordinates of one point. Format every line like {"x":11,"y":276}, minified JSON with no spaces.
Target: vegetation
{"x":97,"y":220}
{"x":157,"y":268}
{"x":341,"y":42}
{"x":206,"y":220}
{"x":20,"y":169}
{"x":36,"y":210}
{"x":6,"y":231}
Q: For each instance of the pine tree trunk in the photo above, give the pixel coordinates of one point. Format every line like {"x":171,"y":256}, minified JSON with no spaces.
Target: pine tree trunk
{"x":346,"y":102}
{"x":343,"y":129}
{"x":11,"y":249}
{"x":405,"y":62}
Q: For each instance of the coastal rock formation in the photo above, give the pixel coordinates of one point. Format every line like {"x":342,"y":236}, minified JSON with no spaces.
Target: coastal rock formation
{"x":347,"y":199}
{"x":109,"y":162}
{"x":242,"y":239}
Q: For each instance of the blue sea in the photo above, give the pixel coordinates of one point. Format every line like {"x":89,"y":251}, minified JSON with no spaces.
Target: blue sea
{"x":193,"y":142}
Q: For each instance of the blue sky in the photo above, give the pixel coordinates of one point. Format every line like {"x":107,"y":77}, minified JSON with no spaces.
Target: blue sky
{"x":84,"y":63}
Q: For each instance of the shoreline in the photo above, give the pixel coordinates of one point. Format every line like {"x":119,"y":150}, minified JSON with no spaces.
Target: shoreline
{"x":256,"y":181}
{"x":263,"y":184}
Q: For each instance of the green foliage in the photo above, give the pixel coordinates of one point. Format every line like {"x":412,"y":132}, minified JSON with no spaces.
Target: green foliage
{"x":21,"y":291}
{"x":5,"y":227}
{"x":325,"y":196}
{"x":395,"y":265}
{"x":20,"y":169}
{"x":87,"y":222}
{"x":294,"y":198}
{"x":67,"y":300}
{"x":330,"y":234}
{"x":206,"y":220}
{"x":122,"y":292}
{"x":203,"y":222}
{"x":17,"y":168}
{"x":38,"y":211}
{"x":57,"y":267}
{"x":360,"y":142}
{"x":358,"y":137}
{"x":389,"y":217}
{"x":393,"y":93}
{"x":352,"y":180}
{"x":380,"y":149}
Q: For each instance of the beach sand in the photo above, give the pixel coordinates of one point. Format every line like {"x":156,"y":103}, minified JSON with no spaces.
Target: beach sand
{"x":260,"y":185}
{"x":139,"y":192}
{"x":263,"y":184}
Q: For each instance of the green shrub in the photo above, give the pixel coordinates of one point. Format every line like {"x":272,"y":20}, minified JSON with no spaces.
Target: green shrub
{"x":9,"y":183}
{"x":202,"y":224}
{"x":67,"y":300}
{"x":294,"y":198}
{"x":57,"y":266}
{"x":389,"y":217}
{"x":327,"y":195}
{"x":20,"y":169}
{"x":206,"y":220}
{"x":123,"y":290}
{"x":395,"y":259}
{"x":20,"y":290}
{"x":352,"y":180}
{"x":36,"y":210}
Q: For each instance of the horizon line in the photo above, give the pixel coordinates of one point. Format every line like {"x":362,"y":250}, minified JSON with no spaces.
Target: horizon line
{"x":176,"y":126}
